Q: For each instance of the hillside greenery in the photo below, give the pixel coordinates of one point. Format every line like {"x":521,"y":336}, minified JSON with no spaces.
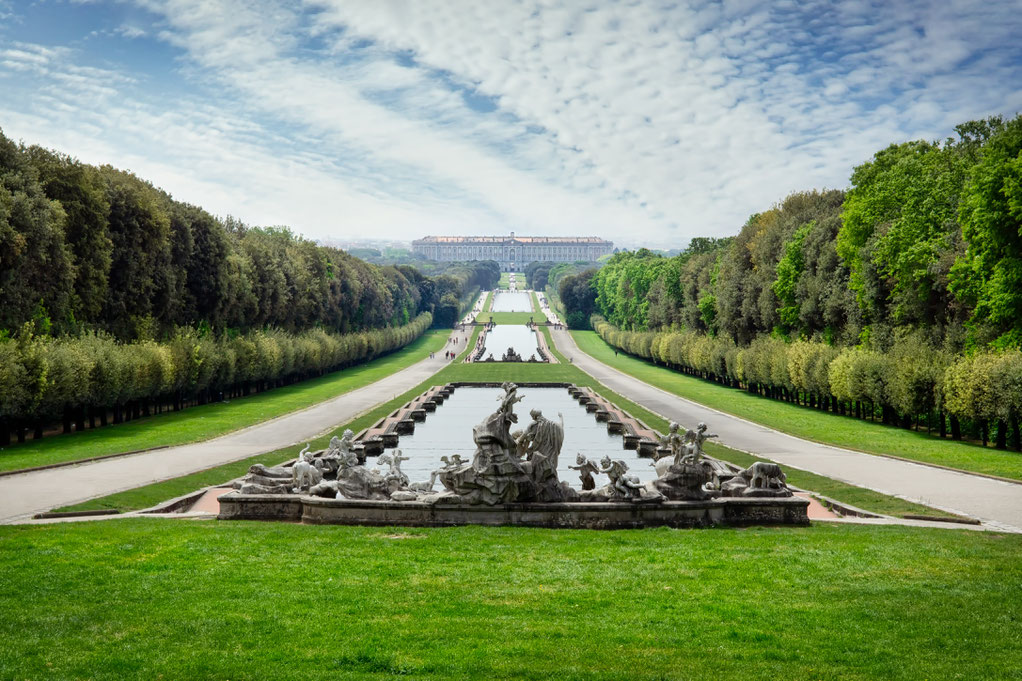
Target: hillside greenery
{"x":117,"y":300}
{"x":899,"y":299}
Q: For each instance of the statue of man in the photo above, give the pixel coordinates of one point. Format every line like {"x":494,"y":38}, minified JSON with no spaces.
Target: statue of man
{"x":541,"y":444}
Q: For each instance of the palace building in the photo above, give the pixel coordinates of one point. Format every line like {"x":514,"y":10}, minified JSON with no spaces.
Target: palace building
{"x":513,"y":252}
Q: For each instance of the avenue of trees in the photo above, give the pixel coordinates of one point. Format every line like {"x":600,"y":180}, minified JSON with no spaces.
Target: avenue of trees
{"x":900,"y":299}
{"x":116,"y":298}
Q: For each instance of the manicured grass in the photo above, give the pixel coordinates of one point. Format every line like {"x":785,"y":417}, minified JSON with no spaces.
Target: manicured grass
{"x":517,"y":318}
{"x":207,"y":421}
{"x":811,"y":424}
{"x":151,"y":495}
{"x":505,"y":280}
{"x":150,"y":598}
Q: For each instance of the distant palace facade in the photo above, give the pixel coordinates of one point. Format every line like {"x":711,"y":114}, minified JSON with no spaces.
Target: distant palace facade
{"x":513,"y":252}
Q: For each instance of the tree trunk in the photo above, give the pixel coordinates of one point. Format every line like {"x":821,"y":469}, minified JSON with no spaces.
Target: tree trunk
{"x":983,"y":432}
{"x":1002,"y":433}
{"x":80,"y":419}
{"x":67,"y":418}
{"x":956,"y":428}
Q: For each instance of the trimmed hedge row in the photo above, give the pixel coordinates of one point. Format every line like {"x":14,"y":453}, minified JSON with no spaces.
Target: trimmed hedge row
{"x":43,"y":378}
{"x":912,"y":383}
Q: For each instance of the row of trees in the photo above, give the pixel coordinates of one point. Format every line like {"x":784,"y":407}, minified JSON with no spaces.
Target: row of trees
{"x":927,"y":238}
{"x":543,"y":273}
{"x":93,"y":248}
{"x":117,"y":299}
{"x":901,"y":296}
{"x":911,"y":384}
{"x":93,"y":376}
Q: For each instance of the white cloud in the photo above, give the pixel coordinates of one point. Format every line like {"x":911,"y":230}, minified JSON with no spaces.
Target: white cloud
{"x":639,"y":122}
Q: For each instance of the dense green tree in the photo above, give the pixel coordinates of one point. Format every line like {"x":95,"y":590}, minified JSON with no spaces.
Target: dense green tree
{"x":988,"y":277}
{"x":36,"y":266}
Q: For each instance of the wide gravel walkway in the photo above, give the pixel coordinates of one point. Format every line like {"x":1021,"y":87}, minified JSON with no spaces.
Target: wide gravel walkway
{"x":26,"y":494}
{"x":994,"y":502}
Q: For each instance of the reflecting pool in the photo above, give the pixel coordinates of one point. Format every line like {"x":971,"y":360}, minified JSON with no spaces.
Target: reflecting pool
{"x":517,"y":336}
{"x":512,"y":301}
{"x":448,"y":431}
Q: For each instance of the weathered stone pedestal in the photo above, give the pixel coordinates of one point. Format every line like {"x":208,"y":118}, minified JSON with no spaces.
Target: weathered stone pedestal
{"x":737,"y":512}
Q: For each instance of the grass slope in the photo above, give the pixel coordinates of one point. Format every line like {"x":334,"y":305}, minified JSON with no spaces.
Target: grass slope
{"x":151,"y":495}
{"x":148,"y":599}
{"x":517,"y":318}
{"x":207,"y":421}
{"x":811,"y":424}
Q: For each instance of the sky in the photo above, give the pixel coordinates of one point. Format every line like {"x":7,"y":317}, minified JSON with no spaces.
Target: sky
{"x":647,"y":123}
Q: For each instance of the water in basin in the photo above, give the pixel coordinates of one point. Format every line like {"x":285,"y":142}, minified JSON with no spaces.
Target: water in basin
{"x":448,"y":431}
{"x":517,"y":336}
{"x":512,"y":301}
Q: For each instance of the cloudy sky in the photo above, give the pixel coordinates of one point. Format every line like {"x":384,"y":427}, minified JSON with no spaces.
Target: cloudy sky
{"x":643,"y":122}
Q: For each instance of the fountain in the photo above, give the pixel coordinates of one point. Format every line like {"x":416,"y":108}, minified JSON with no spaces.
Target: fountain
{"x":512,"y":479}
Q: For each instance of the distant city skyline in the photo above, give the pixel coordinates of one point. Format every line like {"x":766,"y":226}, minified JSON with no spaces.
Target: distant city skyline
{"x":643,"y":124}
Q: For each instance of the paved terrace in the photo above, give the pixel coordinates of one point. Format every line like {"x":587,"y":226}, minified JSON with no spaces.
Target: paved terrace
{"x":996,"y":503}
{"x":26,"y":494}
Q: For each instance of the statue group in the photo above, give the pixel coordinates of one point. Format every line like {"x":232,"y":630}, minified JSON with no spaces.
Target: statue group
{"x":518,"y":466}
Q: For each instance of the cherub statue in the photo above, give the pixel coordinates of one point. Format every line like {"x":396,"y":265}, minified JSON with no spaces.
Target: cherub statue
{"x":621,"y":484}
{"x":586,"y":469}
{"x":673,"y":441}
{"x":395,"y":472}
{"x":695,"y":439}
{"x":452,"y":463}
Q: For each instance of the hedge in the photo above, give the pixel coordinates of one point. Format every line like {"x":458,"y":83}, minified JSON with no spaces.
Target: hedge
{"x":913,"y":383}
{"x":43,"y":379}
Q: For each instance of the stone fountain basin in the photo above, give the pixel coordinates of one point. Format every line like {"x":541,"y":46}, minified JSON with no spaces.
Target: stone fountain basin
{"x":730,"y":511}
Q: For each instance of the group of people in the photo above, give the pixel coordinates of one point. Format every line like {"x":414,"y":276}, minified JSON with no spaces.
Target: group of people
{"x":449,"y":354}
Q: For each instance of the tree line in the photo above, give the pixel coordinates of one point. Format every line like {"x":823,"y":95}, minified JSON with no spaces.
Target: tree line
{"x":903,"y":293}
{"x":86,"y":248}
{"x":93,"y":377}
{"x":117,"y":299}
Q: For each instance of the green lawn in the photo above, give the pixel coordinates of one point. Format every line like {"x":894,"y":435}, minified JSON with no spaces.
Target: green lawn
{"x":207,"y":421}
{"x":513,"y":317}
{"x":505,"y":280}
{"x":151,"y":495}
{"x":811,"y":424}
{"x":150,"y":599}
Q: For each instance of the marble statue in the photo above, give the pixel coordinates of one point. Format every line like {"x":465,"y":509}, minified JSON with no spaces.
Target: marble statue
{"x":695,"y":439}
{"x":509,"y":468}
{"x":673,"y":441}
{"x":622,"y":484}
{"x":424,"y":487}
{"x":761,"y":479}
{"x":586,"y":469}
{"x":394,"y":473}
{"x":305,"y":475}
